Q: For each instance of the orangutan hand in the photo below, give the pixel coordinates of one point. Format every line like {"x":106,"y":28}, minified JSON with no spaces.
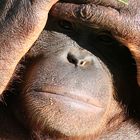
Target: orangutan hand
{"x":21,"y":22}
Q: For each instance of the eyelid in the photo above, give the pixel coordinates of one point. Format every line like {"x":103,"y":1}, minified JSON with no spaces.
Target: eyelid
{"x":105,"y":37}
{"x":105,"y":33}
{"x":66,"y":25}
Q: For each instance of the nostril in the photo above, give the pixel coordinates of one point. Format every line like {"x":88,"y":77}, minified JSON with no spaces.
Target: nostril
{"x":72,"y":59}
{"x":82,"y":63}
{"x":78,"y":61}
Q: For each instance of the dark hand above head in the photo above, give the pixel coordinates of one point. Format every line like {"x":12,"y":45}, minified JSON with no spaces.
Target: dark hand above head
{"x":122,"y":20}
{"x":21,"y":22}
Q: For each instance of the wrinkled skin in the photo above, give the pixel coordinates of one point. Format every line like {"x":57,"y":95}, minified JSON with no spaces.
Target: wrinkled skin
{"x":122,"y":20}
{"x":21,"y":22}
{"x":72,"y":85}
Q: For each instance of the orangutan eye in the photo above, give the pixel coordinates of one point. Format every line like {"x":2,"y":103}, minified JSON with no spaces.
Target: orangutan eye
{"x":105,"y":38}
{"x":66,"y":25}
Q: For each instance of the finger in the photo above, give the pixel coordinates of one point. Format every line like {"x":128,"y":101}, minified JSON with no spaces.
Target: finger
{"x":88,"y":14}
{"x":108,"y":3}
{"x":44,"y":4}
{"x":135,"y":52}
